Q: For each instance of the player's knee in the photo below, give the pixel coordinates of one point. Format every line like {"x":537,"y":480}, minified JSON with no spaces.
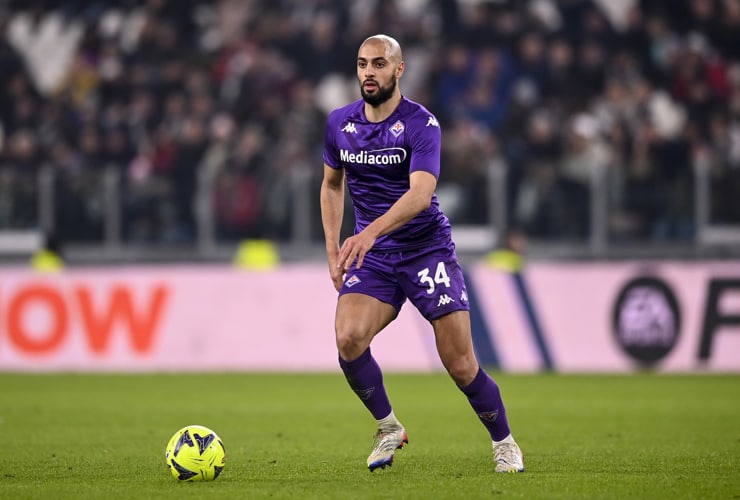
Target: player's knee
{"x":462,"y":370}
{"x":351,"y":343}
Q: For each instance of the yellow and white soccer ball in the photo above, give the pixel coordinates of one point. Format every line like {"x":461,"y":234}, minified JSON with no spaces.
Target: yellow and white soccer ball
{"x":195,"y":453}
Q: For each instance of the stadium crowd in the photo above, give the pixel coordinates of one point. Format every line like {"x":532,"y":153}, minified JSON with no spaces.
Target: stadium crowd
{"x":166,"y":93}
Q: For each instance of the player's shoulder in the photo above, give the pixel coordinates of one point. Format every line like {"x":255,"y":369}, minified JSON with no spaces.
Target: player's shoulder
{"x":418,"y":113}
{"x":351,"y":111}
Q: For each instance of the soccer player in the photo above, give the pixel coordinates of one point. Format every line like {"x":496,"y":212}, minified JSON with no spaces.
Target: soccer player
{"x":388,"y":149}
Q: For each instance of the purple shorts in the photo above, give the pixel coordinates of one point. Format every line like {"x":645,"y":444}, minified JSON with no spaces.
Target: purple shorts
{"x":431,"y":278}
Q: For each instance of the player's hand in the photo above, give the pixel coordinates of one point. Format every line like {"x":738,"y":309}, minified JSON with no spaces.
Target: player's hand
{"x":336,"y":273}
{"x":354,"y":249}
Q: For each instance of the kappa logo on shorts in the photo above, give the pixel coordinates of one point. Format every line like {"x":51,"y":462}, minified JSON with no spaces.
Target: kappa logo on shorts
{"x":353,"y":280}
{"x":464,"y":296}
{"x":444,"y":300}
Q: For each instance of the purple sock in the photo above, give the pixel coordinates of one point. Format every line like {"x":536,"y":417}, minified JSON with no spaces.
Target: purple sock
{"x":366,"y":379}
{"x":485,"y":398}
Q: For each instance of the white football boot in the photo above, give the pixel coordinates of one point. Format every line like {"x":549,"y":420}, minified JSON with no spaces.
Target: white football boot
{"x":385,"y":443}
{"x":508,"y":457}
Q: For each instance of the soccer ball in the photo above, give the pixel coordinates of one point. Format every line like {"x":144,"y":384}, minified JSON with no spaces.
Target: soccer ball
{"x":195,"y":453}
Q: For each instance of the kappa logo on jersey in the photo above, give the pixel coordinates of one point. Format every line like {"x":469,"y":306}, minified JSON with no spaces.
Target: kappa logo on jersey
{"x":353,"y":280}
{"x":444,"y":300}
{"x":397,"y":128}
{"x":432,"y":122}
{"x":350,"y":128}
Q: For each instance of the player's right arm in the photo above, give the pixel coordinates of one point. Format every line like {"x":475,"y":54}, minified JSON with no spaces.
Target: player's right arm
{"x":332,"y":213}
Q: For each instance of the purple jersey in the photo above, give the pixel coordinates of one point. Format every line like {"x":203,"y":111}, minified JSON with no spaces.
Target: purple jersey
{"x":378,"y":158}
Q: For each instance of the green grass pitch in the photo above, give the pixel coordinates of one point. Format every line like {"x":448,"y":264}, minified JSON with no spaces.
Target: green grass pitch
{"x":306,"y":436}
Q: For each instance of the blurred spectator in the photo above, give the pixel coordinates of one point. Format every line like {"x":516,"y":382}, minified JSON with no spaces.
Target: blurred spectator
{"x":240,"y":188}
{"x":49,"y":257}
{"x":18,"y":186}
{"x":466,"y":153}
{"x":510,"y":255}
{"x":538,"y":197}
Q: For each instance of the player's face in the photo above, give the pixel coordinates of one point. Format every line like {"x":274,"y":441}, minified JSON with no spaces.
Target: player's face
{"x":376,"y":73}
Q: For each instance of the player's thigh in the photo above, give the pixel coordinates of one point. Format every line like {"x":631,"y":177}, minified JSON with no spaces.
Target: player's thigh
{"x":369,"y":299}
{"x":359,"y":318}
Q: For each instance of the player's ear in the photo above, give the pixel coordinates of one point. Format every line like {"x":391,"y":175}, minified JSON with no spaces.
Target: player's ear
{"x":399,"y":69}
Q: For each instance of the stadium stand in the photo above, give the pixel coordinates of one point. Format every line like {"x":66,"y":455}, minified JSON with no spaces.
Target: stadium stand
{"x":189,"y":124}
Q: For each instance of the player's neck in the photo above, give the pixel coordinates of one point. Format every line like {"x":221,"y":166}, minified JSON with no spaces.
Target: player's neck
{"x":376,"y":114}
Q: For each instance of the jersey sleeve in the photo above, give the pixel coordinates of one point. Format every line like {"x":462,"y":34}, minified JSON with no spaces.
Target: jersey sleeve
{"x":331,"y":155}
{"x":426,"y":145}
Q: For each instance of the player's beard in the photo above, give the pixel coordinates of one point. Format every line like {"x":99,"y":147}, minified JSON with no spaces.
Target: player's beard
{"x":381,"y":95}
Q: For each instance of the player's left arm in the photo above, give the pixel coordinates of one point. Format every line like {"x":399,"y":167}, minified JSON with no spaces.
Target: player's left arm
{"x":417,"y":199}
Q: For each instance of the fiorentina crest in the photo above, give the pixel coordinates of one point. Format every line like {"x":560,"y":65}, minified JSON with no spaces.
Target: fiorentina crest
{"x":397,"y":128}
